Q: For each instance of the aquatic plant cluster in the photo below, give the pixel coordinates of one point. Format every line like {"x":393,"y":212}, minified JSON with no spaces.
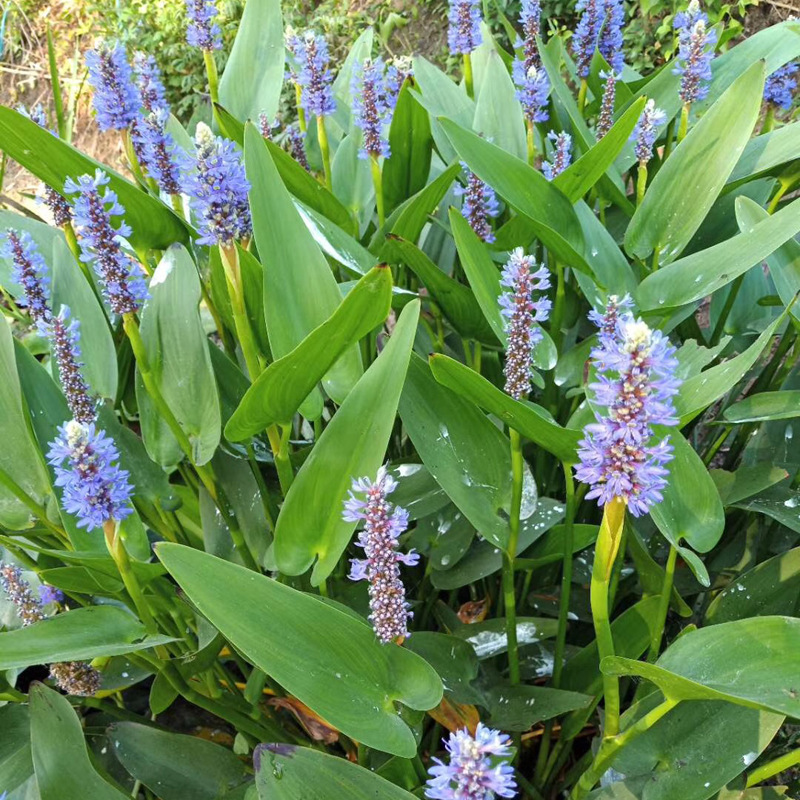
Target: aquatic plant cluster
{"x":392,"y":436}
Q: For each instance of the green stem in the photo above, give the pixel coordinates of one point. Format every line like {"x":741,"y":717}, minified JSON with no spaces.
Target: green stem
{"x":641,"y":182}
{"x":509,"y":593}
{"x":769,"y":119}
{"x":719,"y":328}
{"x":558,"y":307}
{"x":468,"y":76}
{"x":233,"y":275}
{"x":774,"y":767}
{"x":663,"y":605}
{"x":669,"y":140}
{"x":656,"y":256}
{"x":531,"y":140}
{"x":610,"y":748}
{"x":377,"y":182}
{"x":301,"y":112}
{"x":213,"y":77}
{"x":325,"y":149}
{"x":684,"y":124}
{"x":74,"y":247}
{"x":582,"y":94}
{"x":279,"y":443}
{"x":37,"y":510}
{"x":784,"y":187}
{"x":568,"y":542}
{"x":133,"y":161}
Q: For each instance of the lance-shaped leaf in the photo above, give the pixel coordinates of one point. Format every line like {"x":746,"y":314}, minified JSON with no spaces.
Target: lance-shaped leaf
{"x":353,"y":444}
{"x":53,"y":161}
{"x":300,"y":292}
{"x":280,"y":390}
{"x":552,"y":216}
{"x":765,"y":153}
{"x":765,"y":406}
{"x":327,"y":658}
{"x":531,"y":420}
{"x":699,"y":168}
{"x":750,"y":662}
{"x":498,"y":114}
{"x":60,"y":759}
{"x":78,"y":635}
{"x":288,"y":772}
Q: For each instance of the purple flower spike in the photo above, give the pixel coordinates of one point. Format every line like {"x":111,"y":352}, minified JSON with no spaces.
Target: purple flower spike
{"x":522,"y":311}
{"x":156,"y":150}
{"x":374,"y":90}
{"x":381,"y":567}
{"x":606,"y":117}
{"x":64,"y":335}
{"x":202,"y":30}
{"x":121,"y":277}
{"x":646,"y":131}
{"x":529,"y":18}
{"x":533,"y":88}
{"x":780,"y":85}
{"x":464,"y":26}
{"x":609,"y":42}
{"x":695,"y":52}
{"x":30,"y":272}
{"x":96,"y":490}
{"x":50,"y":594}
{"x":585,"y":39}
{"x":116,"y":99}
{"x":478,"y":767}
{"x":19,"y":592}
{"x":215,"y":180}
{"x":636,"y":384}
{"x":297,"y":148}
{"x":314,"y":75}
{"x":479,"y":204}
{"x":265,"y":126}
{"x":151,"y":87}
{"x":562,"y":156}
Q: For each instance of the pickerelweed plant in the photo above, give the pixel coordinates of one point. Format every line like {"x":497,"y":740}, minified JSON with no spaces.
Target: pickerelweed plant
{"x":381,"y":442}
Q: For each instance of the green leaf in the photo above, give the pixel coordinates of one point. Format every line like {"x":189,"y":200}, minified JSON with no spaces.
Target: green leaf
{"x":456,"y":300}
{"x":351,"y":177}
{"x":353,"y":444}
{"x":173,"y":766}
{"x":550,"y":212}
{"x":411,"y":144}
{"x":498,"y":114}
{"x":464,"y":451}
{"x":253,"y":77}
{"x":489,"y":638}
{"x":452,"y":658}
{"x":60,"y":760}
{"x":764,"y":406}
{"x":70,"y":288}
{"x":327,"y":658}
{"x":700,"y":391}
{"x":691,"y":508}
{"x":750,"y":662}
{"x":764,"y":153}
{"x":53,"y":161}
{"x":779,"y":502}
{"x":748,"y":480}
{"x":532,"y":421}
{"x":701,"y":274}
{"x":19,"y":457}
{"x":287,"y":772}
{"x":177,"y":349}
{"x":300,"y":292}
{"x":281,"y":388}
{"x":15,"y":746}
{"x":517,"y":708}
{"x":772,"y":587}
{"x":78,"y":635}
{"x":705,"y":158}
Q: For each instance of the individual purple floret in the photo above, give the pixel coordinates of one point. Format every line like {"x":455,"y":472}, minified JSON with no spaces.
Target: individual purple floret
{"x":116,"y":99}
{"x":215,"y":180}
{"x":73,"y":677}
{"x":156,"y":150}
{"x":151,"y":88}
{"x":522,"y":310}
{"x":478,"y":767}
{"x":50,"y":594}
{"x":635,"y":384}
{"x":29,"y":271}
{"x":374,"y":92}
{"x":562,"y":155}
{"x":314,"y":75}
{"x":96,"y":490}
{"x":479,"y":205}
{"x":609,"y":42}
{"x":383,"y":524}
{"x":533,"y":87}
{"x":464,"y":26}
{"x":529,"y":18}
{"x":585,"y":39}
{"x":121,"y":277}
{"x":646,"y":131}
{"x":64,"y":335}
{"x":695,"y":52}
{"x":296,"y":143}
{"x":780,"y":85}
{"x":202,"y":30}
{"x":605,"y":118}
